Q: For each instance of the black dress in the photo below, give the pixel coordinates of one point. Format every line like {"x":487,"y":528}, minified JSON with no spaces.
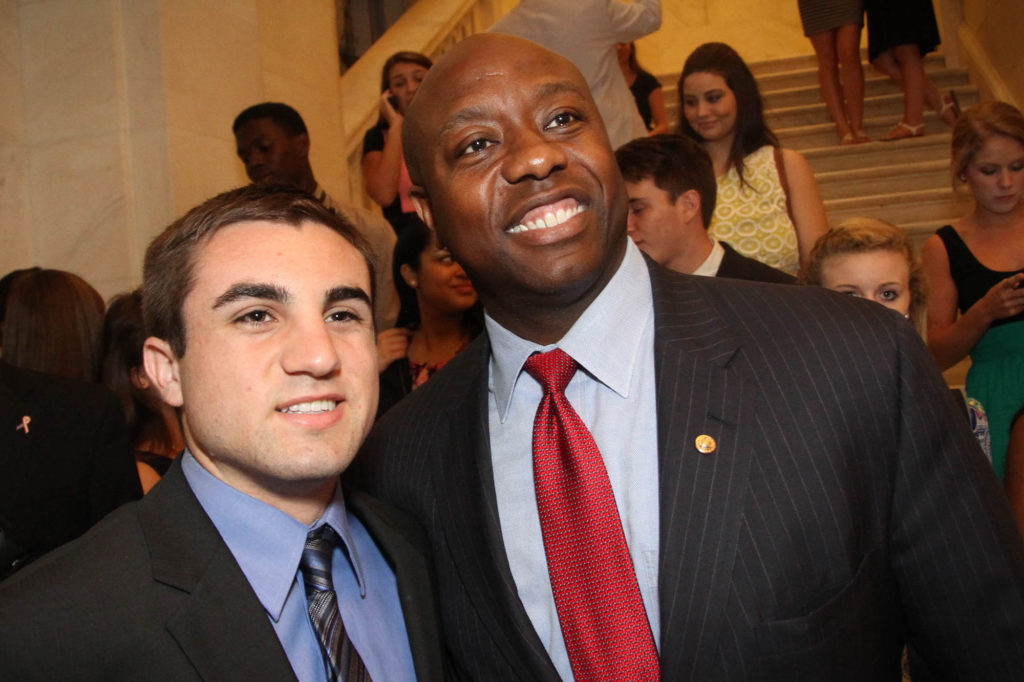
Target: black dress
{"x":642,"y":88}
{"x":901,"y":22}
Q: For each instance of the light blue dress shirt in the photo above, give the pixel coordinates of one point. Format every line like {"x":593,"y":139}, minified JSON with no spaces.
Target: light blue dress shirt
{"x":267,"y":544}
{"x":614,"y":394}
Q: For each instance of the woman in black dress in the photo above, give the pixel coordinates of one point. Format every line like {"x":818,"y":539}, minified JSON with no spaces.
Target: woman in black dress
{"x":900,"y":34}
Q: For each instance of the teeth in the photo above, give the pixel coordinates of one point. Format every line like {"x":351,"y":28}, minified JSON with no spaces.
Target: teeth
{"x":550,"y":219}
{"x":312,"y":407}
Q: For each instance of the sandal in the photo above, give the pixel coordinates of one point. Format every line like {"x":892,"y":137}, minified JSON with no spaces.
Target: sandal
{"x":950,"y":103}
{"x":854,"y":137}
{"x":902,"y":131}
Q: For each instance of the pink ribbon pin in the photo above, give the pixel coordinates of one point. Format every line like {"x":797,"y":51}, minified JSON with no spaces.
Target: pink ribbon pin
{"x":23,"y":426}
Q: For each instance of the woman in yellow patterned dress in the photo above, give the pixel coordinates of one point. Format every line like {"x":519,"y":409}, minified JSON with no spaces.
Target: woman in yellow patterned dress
{"x":768,"y":205}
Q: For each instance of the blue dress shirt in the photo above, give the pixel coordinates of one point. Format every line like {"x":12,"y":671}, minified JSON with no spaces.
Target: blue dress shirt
{"x":267,"y":544}
{"x":614,"y":394}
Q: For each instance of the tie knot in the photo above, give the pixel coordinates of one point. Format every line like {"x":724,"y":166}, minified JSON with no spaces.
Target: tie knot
{"x":315,"y":563}
{"x":553,"y":369}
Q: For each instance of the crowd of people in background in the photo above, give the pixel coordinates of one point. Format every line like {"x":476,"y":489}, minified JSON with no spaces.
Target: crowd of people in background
{"x":712,"y":194}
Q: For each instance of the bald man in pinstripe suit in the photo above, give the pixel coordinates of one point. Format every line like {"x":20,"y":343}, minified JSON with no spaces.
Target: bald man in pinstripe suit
{"x":799,"y":496}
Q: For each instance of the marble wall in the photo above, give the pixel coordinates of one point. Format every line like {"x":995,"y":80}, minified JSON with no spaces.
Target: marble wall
{"x":116,"y":117}
{"x":757,"y":29}
{"x":994,"y":51}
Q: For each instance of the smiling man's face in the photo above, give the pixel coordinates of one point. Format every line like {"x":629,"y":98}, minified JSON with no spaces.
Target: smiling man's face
{"x":278,"y":385}
{"x":519,"y":179}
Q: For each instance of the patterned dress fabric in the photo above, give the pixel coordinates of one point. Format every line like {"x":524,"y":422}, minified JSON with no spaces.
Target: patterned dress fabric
{"x":818,"y":16}
{"x":753,"y":215}
{"x":996,"y":376}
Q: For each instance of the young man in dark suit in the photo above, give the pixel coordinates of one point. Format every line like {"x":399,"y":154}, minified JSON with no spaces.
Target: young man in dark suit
{"x":672,"y":190}
{"x":247,"y":561}
{"x":758,"y":482}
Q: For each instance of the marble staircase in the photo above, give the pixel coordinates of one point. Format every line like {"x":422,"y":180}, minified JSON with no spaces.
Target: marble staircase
{"x":905,"y":182}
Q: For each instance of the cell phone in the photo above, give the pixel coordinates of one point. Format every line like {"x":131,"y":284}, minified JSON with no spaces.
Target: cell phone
{"x":394,"y":102}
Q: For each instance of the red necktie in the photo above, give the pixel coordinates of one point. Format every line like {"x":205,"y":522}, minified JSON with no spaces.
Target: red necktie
{"x":604,"y":624}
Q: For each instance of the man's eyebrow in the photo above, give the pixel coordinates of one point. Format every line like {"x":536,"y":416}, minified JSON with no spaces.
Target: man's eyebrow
{"x":475,"y":113}
{"x":267,"y":292}
{"x":338,"y":294}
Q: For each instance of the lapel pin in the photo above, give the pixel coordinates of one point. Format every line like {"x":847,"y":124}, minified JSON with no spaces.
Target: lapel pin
{"x":23,"y":426}
{"x":705,"y":444}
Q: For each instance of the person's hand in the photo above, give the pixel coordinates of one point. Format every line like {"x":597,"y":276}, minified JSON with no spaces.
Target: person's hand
{"x":1005,"y":299}
{"x":387,"y":110}
{"x":392,"y":344}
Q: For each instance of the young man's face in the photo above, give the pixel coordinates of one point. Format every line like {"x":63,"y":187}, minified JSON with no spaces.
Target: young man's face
{"x":522,"y":184}
{"x":278,"y":383}
{"x":656,"y":222}
{"x":271,"y":155}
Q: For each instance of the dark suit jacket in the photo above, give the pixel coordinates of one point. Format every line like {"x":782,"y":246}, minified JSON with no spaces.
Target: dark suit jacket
{"x":845,"y":510}
{"x":72,"y":467}
{"x":737,"y":266}
{"x":153,"y":593}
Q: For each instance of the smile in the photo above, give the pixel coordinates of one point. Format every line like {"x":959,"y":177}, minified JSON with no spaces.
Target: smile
{"x":311,"y":407}
{"x":548,"y":216}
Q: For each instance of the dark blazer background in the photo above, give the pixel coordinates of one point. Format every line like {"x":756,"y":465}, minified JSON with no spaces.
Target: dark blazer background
{"x":153,"y":593}
{"x":737,"y":266}
{"x":73,"y":466}
{"x":846,"y":509}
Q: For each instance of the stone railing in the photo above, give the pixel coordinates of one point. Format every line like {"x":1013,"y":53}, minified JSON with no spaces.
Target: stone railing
{"x":430,"y":27}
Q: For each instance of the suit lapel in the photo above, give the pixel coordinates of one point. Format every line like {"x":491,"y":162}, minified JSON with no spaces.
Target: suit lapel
{"x":701,"y":495}
{"x":221,"y":627}
{"x":412,"y":573}
{"x":469,"y":513}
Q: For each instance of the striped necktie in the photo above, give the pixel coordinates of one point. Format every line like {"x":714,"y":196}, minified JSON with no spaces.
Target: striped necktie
{"x":343,"y":660}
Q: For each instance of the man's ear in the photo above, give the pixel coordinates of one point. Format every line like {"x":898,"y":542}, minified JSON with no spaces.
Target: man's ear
{"x":162,"y":366}
{"x":422,"y":205}
{"x":688,"y":204}
{"x":303,"y":141}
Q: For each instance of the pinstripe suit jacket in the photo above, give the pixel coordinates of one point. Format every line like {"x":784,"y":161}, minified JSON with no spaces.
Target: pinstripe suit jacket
{"x":846,"y":509}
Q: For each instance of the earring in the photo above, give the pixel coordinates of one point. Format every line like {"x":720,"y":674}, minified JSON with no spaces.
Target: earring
{"x":414,"y":283}
{"x":963,"y":177}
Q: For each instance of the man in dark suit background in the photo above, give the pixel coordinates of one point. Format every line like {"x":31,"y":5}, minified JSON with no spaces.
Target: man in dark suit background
{"x":798,"y":496}
{"x":672,"y":191}
{"x":259,"y":302}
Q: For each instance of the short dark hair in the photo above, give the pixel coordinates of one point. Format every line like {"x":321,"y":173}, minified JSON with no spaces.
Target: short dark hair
{"x":675,"y":163}
{"x":283,"y":115}
{"x":752,"y":132}
{"x":167,"y":275}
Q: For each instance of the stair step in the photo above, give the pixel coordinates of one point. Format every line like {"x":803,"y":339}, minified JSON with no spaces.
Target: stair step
{"x":810,"y":93}
{"x":780,"y":80}
{"x":871,"y":154}
{"x":886,"y":104}
{"x":879,"y":105}
{"x":899,"y":207}
{"x":825,"y":135}
{"x":894,"y":178}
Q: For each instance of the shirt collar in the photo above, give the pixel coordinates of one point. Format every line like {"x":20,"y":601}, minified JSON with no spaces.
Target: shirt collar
{"x":709,"y":268}
{"x":605,"y":340}
{"x":266,"y":542}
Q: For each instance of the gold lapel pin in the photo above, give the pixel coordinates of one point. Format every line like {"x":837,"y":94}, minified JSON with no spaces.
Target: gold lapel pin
{"x":23,"y":426}
{"x":705,"y":444}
